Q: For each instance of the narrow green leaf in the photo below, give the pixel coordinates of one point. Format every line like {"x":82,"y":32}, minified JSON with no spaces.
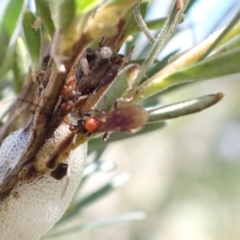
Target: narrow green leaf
{"x":66,"y":13}
{"x":222,"y":64}
{"x":131,"y":26}
{"x":33,"y":38}
{"x":227,"y":34}
{"x":43,"y":11}
{"x":86,"y":5}
{"x":8,"y":24}
{"x":161,"y":40}
{"x":233,"y":43}
{"x":119,"y":219}
{"x":123,"y":81}
{"x":63,"y":13}
{"x":70,"y":18}
{"x":183,"y":108}
{"x":19,"y":64}
{"x":219,"y":65}
{"x":233,"y":31}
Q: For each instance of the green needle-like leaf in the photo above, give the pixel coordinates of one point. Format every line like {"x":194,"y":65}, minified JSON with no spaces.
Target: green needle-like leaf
{"x":183,"y":108}
{"x":19,"y":64}
{"x":43,"y":10}
{"x":223,"y":64}
{"x":119,"y":219}
{"x":33,"y":38}
{"x":8,"y":24}
{"x":220,"y":65}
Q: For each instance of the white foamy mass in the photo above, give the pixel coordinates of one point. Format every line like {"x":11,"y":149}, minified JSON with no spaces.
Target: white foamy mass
{"x":34,"y":207}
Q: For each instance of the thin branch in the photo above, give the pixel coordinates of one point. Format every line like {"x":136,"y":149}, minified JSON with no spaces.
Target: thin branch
{"x":162,"y":38}
{"x":142,"y":25}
